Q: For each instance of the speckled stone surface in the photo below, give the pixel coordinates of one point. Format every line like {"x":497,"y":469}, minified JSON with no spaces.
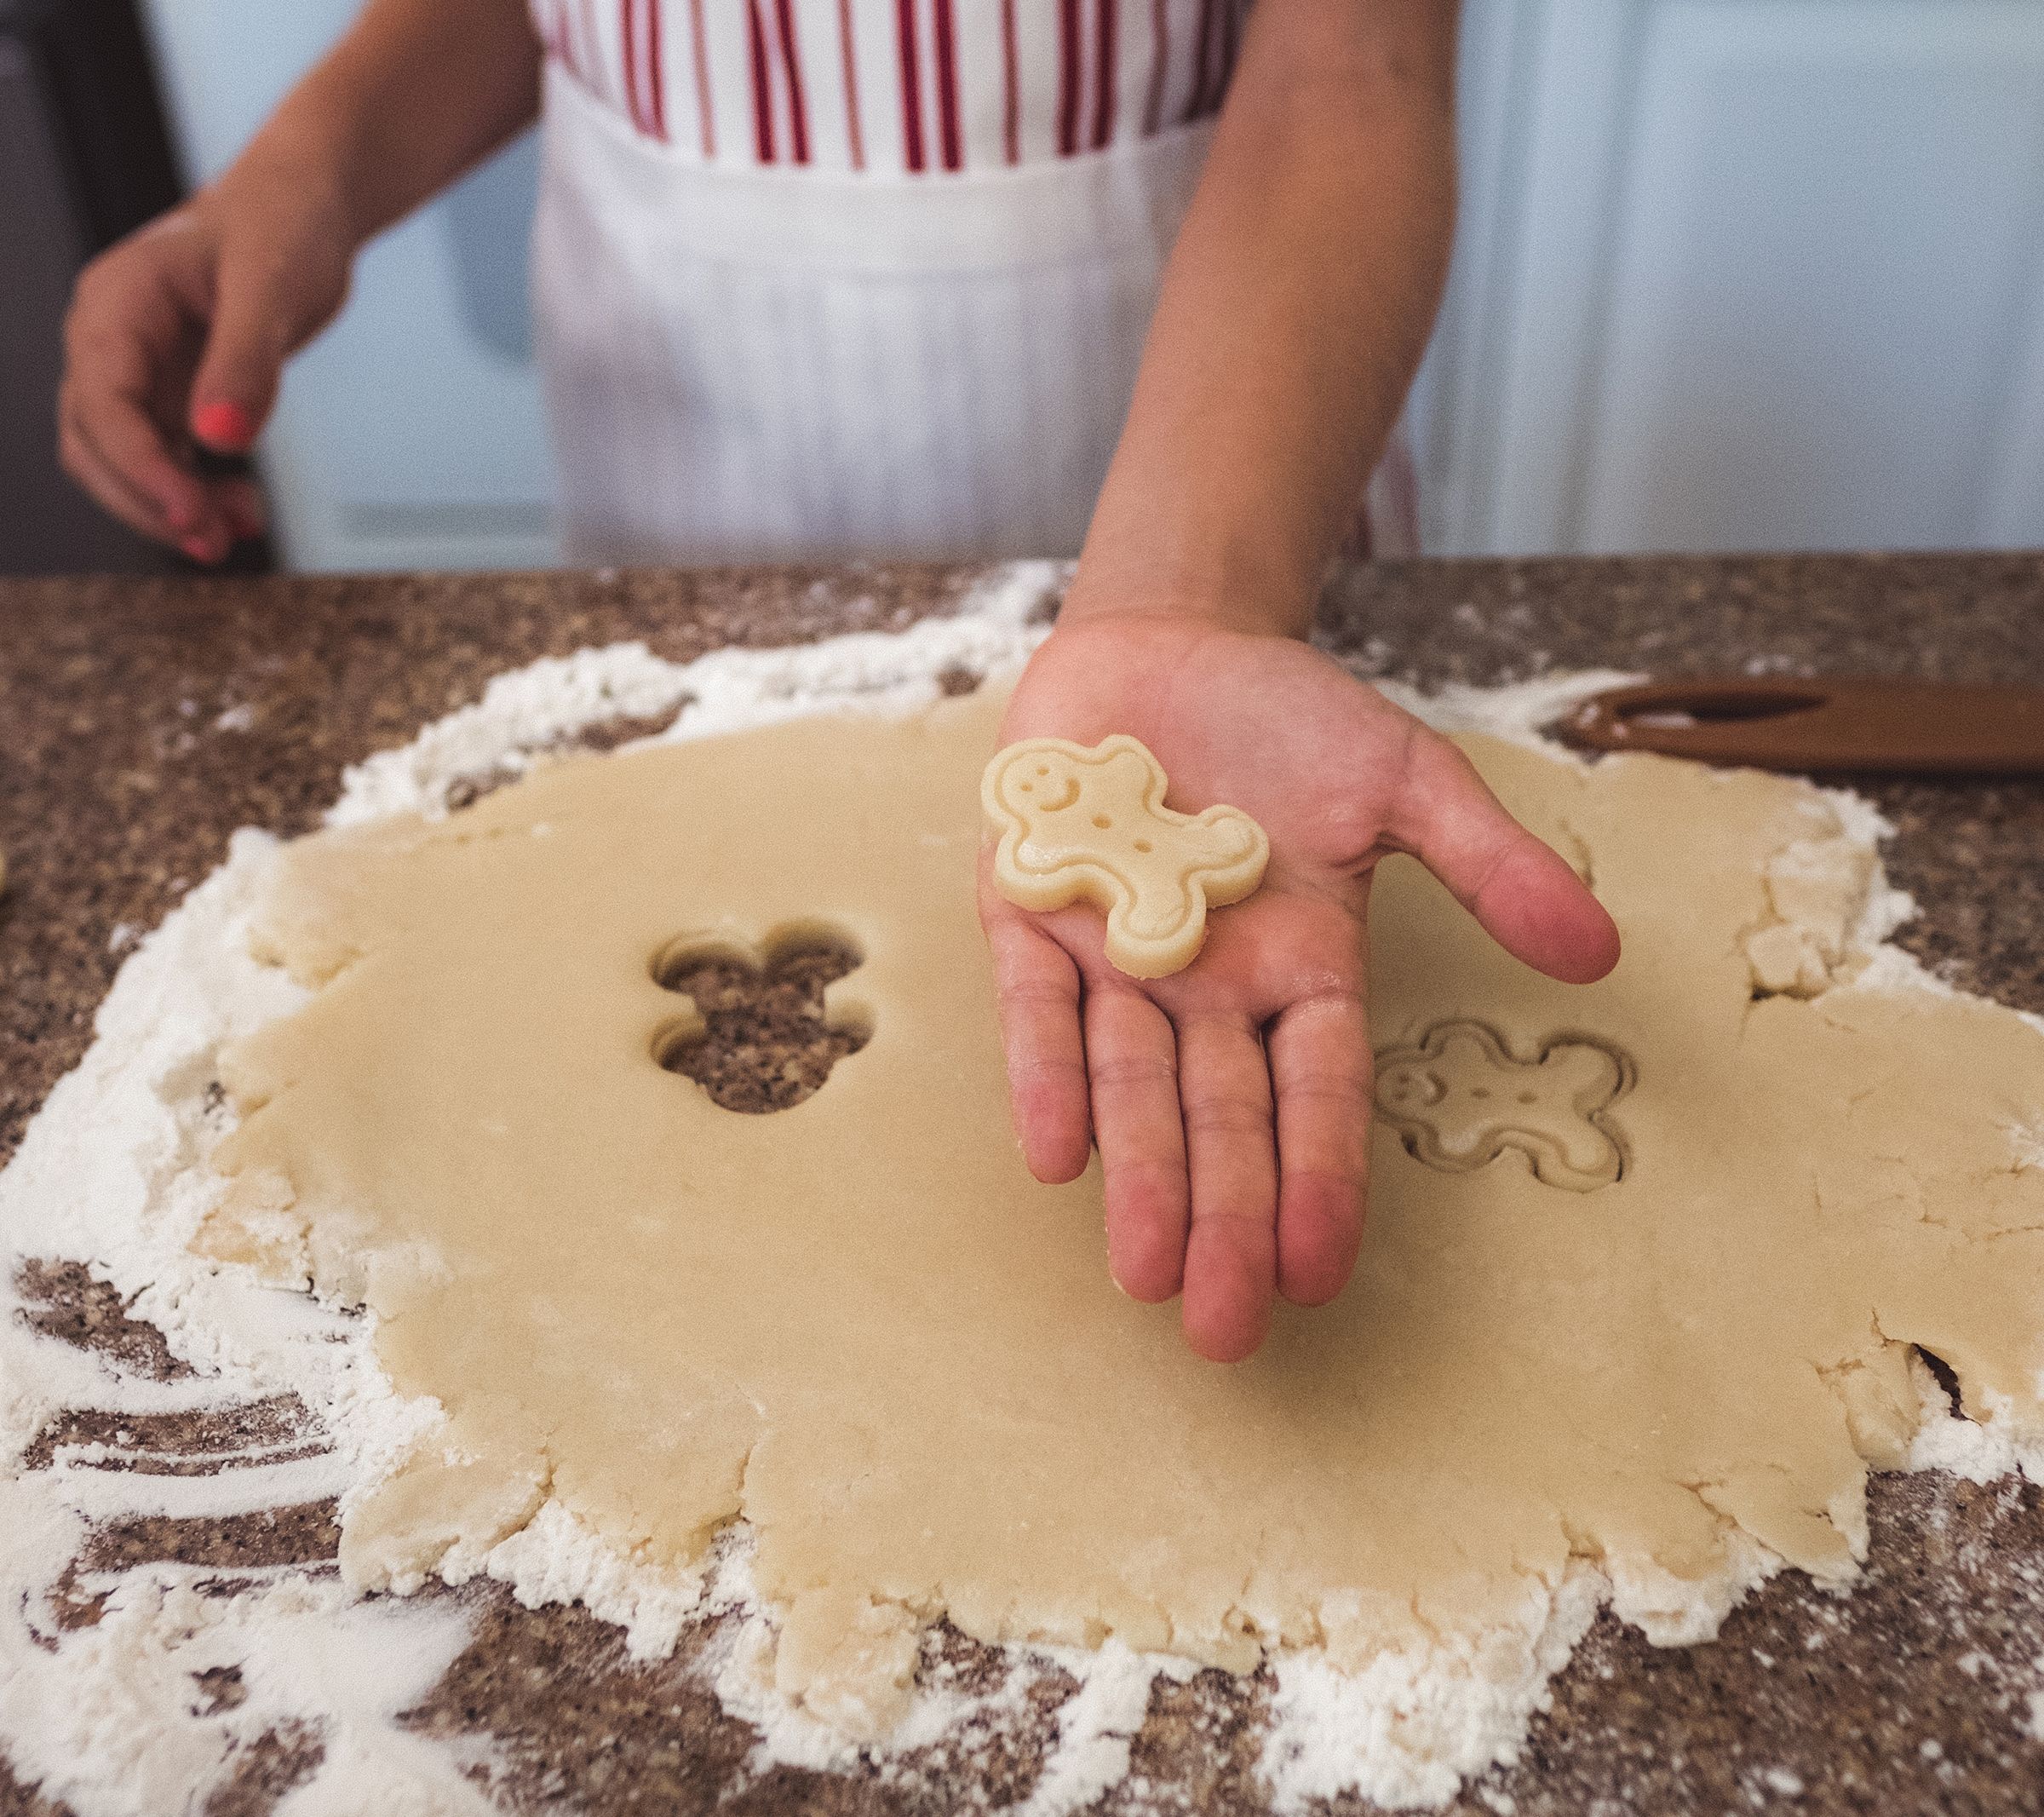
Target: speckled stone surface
{"x":120,"y":780}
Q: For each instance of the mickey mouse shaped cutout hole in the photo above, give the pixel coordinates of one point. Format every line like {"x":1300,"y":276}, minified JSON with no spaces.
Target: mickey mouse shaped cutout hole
{"x":758,"y":1035}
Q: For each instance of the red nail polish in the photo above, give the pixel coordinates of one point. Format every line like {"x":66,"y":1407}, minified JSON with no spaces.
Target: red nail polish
{"x":227,"y":426}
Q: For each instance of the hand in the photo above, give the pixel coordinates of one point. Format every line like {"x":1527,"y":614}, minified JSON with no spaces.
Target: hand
{"x":177,"y":336}
{"x":1230,"y":1101}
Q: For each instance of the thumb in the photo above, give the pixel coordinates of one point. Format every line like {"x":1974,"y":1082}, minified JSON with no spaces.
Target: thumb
{"x":1523,"y":893}
{"x":250,"y":335}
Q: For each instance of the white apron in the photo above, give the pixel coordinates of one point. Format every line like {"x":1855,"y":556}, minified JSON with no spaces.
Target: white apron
{"x":766,"y":363}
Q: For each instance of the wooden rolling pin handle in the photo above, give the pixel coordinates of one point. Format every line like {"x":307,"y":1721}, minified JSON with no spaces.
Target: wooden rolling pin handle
{"x":1820,"y":724}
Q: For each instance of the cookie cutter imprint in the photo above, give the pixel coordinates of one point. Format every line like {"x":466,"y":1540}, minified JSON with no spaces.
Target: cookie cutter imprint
{"x":1460,"y":1097}
{"x":1089,"y":822}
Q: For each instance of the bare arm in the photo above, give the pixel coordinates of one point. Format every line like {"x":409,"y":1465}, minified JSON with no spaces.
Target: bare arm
{"x":178,"y":335}
{"x":415,"y":92}
{"x":1295,"y":309}
{"x":1231,"y":1102}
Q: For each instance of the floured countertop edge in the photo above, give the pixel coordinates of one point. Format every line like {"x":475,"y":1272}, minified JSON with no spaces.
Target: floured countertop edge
{"x":191,"y":986}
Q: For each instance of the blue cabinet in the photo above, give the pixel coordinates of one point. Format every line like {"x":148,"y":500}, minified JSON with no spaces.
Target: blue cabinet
{"x":1744,"y":273}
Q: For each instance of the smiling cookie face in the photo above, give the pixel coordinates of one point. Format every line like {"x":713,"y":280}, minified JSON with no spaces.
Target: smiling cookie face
{"x":1107,"y":812}
{"x":1039,"y":782}
{"x":1079,"y":824}
{"x":1407,"y":1087}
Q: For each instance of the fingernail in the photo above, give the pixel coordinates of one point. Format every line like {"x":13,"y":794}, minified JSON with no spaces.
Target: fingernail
{"x":200,"y":548}
{"x":224,"y":425}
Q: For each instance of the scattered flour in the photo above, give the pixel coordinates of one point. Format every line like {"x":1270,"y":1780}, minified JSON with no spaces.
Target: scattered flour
{"x":109,"y":1717}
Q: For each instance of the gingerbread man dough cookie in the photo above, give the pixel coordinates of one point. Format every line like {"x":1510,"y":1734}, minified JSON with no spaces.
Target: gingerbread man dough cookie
{"x":1460,"y":1098}
{"x":1090,"y":824}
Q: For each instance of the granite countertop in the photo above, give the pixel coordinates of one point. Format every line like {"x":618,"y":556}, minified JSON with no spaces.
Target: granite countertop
{"x":142,"y":721}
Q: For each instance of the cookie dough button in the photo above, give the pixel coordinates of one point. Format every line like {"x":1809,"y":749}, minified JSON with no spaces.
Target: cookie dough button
{"x":1089,"y":822}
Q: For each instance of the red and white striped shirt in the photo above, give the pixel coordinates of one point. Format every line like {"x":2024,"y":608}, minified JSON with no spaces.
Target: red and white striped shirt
{"x":895,"y":87}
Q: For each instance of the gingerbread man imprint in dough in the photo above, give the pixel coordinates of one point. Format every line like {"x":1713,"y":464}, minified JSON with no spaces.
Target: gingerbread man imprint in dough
{"x":1077,"y":823}
{"x":1461,"y":1097}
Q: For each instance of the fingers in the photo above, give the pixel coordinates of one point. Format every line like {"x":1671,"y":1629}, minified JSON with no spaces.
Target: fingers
{"x":113,"y":447}
{"x":225,"y":511}
{"x":241,"y":503}
{"x":115,"y":443}
{"x":1132,"y":1065}
{"x":1522,"y":891}
{"x":255,"y":323}
{"x":1037,"y":984}
{"x":129,"y":340}
{"x":1230,"y":1249}
{"x":110,"y":488}
{"x":1320,"y":1070}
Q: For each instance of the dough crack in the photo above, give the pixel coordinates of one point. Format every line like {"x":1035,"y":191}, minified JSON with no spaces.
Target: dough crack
{"x":1578,"y":851}
{"x":1817,"y":895}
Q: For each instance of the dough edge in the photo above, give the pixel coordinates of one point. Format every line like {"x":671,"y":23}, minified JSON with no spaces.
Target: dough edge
{"x":844,"y":1658}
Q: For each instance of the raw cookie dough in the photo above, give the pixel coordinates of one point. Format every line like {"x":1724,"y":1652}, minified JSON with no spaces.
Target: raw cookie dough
{"x":1089,"y":822}
{"x":1461,"y":1098}
{"x":860,"y":1325}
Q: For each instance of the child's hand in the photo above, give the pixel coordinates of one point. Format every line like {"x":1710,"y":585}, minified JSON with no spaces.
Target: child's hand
{"x":1230,"y":1101}
{"x":177,"y":335}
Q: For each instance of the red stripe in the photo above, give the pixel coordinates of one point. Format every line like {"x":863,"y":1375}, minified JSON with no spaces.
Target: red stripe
{"x":947,"y":87}
{"x":911,"y":85}
{"x":762,"y":99}
{"x":628,"y":32}
{"x":1011,"y":100}
{"x":791,"y":61}
{"x":1103,"y":96}
{"x":1068,"y":76}
{"x":1202,"y":54}
{"x":655,"y":78}
{"x":703,"y":110}
{"x":565,"y":42}
{"x":853,"y":134}
{"x":1160,"y":60}
{"x":568,"y":60}
{"x":592,"y":49}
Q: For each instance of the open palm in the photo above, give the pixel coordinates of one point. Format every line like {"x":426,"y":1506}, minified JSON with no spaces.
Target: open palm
{"x":1230,"y":1101}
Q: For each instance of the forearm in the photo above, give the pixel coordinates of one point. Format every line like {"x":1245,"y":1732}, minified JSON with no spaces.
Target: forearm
{"x":416,"y":92}
{"x":1294,"y":311}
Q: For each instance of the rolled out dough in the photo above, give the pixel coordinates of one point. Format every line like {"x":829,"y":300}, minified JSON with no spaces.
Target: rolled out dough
{"x":860,"y":1324}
